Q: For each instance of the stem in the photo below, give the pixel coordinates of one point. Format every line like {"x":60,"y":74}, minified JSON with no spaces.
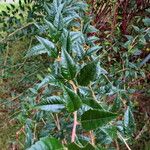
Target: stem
{"x":117,"y":145}
{"x":92,"y":138}
{"x":58,"y":122}
{"x":75,"y":123}
{"x":121,"y":137}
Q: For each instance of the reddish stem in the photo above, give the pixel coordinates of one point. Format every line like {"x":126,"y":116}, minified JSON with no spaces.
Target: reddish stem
{"x":75,"y":123}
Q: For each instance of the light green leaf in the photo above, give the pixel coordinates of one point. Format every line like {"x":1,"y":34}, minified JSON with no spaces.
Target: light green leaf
{"x":47,"y":144}
{"x":52,"y":104}
{"x":93,"y":119}
{"x":146,"y":22}
{"x":37,"y":50}
{"x":93,"y":50}
{"x":129,"y":122}
{"x":59,"y":22}
{"x":48,"y":45}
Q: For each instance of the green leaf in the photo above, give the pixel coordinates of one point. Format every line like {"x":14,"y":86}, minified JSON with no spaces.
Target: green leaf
{"x":78,"y":50}
{"x":93,"y":50}
{"x":58,"y":21}
{"x":116,"y":105}
{"x":93,"y":119}
{"x":92,"y":103}
{"x":87,"y":73}
{"x":73,"y":100}
{"x":129,"y":122}
{"x":107,"y":134}
{"x":48,"y":45}
{"x":68,"y":66}
{"x":146,"y":22}
{"x":92,"y":39}
{"x":74,"y":146}
{"x":37,"y":50}
{"x":47,"y":144}
{"x":66,"y":41}
{"x":51,"y":26}
{"x":53,"y":104}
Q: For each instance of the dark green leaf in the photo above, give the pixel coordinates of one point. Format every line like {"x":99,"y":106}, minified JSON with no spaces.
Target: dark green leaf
{"x":92,"y":103}
{"x":87,"y":73}
{"x":73,"y":100}
{"x":74,"y":146}
{"x":93,"y":119}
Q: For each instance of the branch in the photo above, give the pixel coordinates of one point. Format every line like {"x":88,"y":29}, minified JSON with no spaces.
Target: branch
{"x":75,"y":122}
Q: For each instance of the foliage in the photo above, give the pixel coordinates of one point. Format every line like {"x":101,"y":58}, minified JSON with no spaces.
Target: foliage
{"x":83,"y":96}
{"x":73,"y":84}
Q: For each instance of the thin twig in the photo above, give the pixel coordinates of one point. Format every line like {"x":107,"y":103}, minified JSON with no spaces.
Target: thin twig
{"x":92,"y":138}
{"x":121,"y":137}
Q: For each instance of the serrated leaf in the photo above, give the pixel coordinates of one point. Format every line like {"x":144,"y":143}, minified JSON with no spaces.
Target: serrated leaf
{"x":68,"y":66}
{"x":92,"y":103}
{"x":66,"y":41}
{"x":77,"y":37}
{"x":129,"y":123}
{"x":37,"y":50}
{"x":78,"y":50}
{"x":87,"y":73}
{"x":92,"y":39}
{"x":93,"y":50}
{"x":93,"y":119}
{"x":52,"y":104}
{"x":58,"y":21}
{"x":91,"y":29}
{"x":73,"y":101}
{"x":48,"y":45}
{"x":50,"y":25}
{"x":47,"y":144}
{"x":48,"y":79}
{"x":107,"y":134}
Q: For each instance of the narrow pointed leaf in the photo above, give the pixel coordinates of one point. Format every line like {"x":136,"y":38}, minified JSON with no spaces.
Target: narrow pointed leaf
{"x":93,"y":119}
{"x":37,"y":50}
{"x":52,"y":104}
{"x":129,"y":122}
{"x":48,"y":45}
{"x":93,"y":50}
{"x":68,"y":66}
